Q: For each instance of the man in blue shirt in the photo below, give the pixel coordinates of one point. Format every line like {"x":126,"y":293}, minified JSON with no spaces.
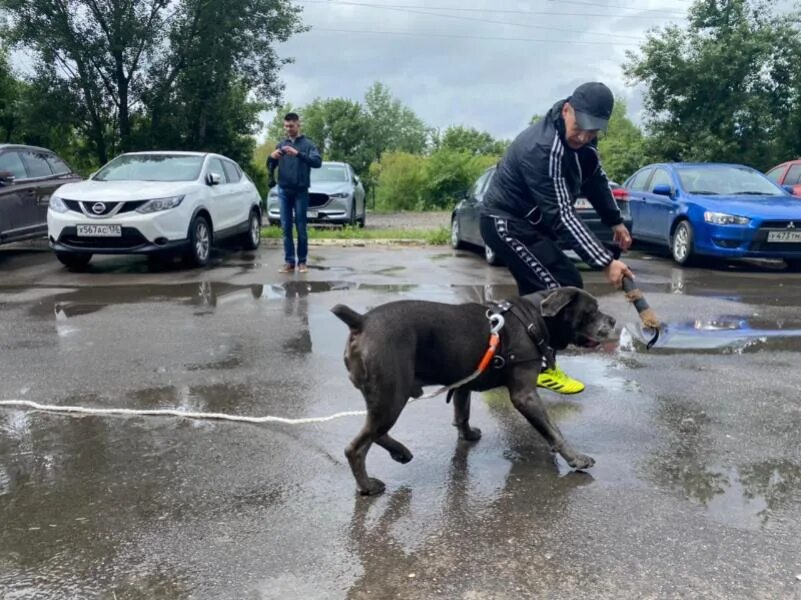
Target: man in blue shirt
{"x":294,"y":157}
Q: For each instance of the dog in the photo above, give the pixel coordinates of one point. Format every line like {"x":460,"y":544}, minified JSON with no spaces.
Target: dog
{"x":395,"y":349}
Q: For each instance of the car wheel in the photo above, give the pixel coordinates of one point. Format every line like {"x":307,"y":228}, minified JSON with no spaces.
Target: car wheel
{"x":73,"y":261}
{"x":273,"y":222}
{"x":252,"y":238}
{"x":456,"y":241}
{"x":490,"y":256}
{"x":199,"y":242}
{"x":352,"y":219}
{"x":363,"y":219}
{"x":681,"y":244}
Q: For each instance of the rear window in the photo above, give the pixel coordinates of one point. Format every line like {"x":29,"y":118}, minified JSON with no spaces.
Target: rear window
{"x":58,"y":166}
{"x":36,"y":164}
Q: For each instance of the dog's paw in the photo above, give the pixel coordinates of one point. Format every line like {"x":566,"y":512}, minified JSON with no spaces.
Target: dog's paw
{"x":402,"y":457}
{"x":471,"y":434}
{"x":374,"y":487}
{"x":581,"y":461}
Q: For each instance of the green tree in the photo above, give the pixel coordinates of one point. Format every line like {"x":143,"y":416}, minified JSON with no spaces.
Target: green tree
{"x":400,"y":179}
{"x":622,"y":146}
{"x":448,"y":176}
{"x":171,"y":65}
{"x":727,"y":87}
{"x":470,"y":140}
{"x":392,"y":126}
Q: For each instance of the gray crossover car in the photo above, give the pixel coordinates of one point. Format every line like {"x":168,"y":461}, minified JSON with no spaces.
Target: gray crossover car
{"x":28,"y":177}
{"x":336,"y":195}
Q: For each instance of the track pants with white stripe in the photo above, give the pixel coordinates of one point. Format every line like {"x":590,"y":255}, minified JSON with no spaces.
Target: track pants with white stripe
{"x":536,"y":262}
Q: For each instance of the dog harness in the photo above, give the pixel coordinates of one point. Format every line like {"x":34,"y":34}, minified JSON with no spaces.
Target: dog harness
{"x":535,"y":327}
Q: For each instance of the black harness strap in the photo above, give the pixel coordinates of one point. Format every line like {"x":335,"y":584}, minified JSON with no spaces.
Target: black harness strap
{"x":535,"y":327}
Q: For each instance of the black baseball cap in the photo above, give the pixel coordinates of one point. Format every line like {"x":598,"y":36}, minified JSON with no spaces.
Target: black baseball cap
{"x":592,"y":102}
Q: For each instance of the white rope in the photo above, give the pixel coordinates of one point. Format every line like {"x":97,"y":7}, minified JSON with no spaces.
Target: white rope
{"x":168,"y":412}
{"x":175,"y":413}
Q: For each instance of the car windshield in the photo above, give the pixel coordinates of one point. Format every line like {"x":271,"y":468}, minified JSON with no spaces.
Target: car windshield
{"x":726,"y":180}
{"x":329,"y":173}
{"x":151,"y":167}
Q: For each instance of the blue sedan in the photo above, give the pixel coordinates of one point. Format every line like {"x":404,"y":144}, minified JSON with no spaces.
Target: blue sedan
{"x":714,"y":210}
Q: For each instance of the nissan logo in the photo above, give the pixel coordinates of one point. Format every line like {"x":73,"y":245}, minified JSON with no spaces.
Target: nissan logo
{"x":98,"y":208}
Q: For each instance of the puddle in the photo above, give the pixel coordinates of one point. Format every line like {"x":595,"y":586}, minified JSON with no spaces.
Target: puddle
{"x":728,"y":333}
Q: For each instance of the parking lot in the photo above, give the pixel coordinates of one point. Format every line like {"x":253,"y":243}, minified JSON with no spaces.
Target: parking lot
{"x":696,"y":491}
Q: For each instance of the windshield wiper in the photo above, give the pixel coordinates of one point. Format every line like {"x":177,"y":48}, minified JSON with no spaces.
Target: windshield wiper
{"x":705,"y":192}
{"x":751,"y":193}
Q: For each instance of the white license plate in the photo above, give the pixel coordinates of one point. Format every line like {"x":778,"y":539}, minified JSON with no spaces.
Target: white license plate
{"x":311,"y":214}
{"x":784,"y":236}
{"x":100,"y":230}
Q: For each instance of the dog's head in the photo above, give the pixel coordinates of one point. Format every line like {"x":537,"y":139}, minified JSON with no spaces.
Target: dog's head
{"x":572,"y":317}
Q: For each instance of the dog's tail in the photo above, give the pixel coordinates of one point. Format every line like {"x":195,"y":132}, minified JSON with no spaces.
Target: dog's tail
{"x":351,"y":318}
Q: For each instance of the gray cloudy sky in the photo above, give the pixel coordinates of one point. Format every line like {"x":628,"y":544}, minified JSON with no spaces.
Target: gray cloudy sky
{"x":436,"y":57}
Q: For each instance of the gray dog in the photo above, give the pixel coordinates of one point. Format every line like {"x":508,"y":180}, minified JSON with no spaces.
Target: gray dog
{"x":397,"y":348}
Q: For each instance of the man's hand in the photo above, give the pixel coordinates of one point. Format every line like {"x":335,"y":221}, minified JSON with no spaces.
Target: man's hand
{"x":277,"y":153}
{"x":290,"y":150}
{"x":621,"y":236}
{"x":615,"y":271}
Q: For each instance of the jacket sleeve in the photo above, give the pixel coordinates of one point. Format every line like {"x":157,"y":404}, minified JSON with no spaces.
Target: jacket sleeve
{"x":541,"y":168}
{"x":311,"y":156}
{"x":272,"y":163}
{"x":596,"y":189}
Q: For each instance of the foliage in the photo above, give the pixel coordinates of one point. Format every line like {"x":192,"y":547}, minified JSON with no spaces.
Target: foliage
{"x":400,"y":181}
{"x":392,"y":126}
{"x":622,"y":146}
{"x":469,"y":140}
{"x":449,"y":175}
{"x":435,"y":237}
{"x":156,"y":73}
{"x":406,"y":181}
{"x":725,"y":88}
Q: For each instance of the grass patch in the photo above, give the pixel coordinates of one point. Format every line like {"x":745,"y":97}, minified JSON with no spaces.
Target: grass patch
{"x":436,"y":237}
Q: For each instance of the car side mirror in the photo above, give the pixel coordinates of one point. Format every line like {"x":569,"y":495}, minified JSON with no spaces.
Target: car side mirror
{"x":789,"y":189}
{"x":213,"y":179}
{"x":356,"y":178}
{"x":7,"y":177}
{"x":663,"y":190}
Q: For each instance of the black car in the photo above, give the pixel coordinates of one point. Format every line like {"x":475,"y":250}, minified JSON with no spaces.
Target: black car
{"x":465,"y":230}
{"x":28,"y":176}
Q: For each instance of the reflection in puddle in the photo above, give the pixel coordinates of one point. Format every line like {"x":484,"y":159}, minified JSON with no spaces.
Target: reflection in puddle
{"x":737,"y":334}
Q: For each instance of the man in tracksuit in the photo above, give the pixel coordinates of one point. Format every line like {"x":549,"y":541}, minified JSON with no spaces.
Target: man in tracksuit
{"x":529,"y":206}
{"x":295,"y":157}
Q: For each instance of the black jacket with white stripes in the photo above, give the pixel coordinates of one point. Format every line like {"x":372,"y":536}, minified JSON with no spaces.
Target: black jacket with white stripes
{"x":538,"y":181}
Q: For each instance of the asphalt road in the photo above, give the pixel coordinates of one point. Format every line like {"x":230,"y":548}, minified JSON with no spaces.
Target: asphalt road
{"x":696,"y":492}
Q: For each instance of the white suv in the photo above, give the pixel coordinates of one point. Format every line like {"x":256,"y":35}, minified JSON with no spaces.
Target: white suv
{"x":155,"y":203}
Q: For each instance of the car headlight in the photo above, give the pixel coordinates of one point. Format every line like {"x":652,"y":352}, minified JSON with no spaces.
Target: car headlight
{"x":339,"y":195}
{"x":717,"y":218}
{"x":157,"y":204}
{"x":57,"y":205}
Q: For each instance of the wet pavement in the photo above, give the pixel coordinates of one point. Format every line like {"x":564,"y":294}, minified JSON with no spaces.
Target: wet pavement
{"x":696,"y":490}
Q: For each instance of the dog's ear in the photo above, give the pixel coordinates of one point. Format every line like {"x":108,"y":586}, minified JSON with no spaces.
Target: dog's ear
{"x":556,"y":300}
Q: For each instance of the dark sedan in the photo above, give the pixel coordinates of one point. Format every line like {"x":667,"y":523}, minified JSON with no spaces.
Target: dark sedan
{"x":465,"y":231}
{"x":28,"y":176}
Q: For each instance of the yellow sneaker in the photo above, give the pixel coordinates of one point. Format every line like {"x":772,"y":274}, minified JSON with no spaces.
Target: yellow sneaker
{"x":558,"y":381}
